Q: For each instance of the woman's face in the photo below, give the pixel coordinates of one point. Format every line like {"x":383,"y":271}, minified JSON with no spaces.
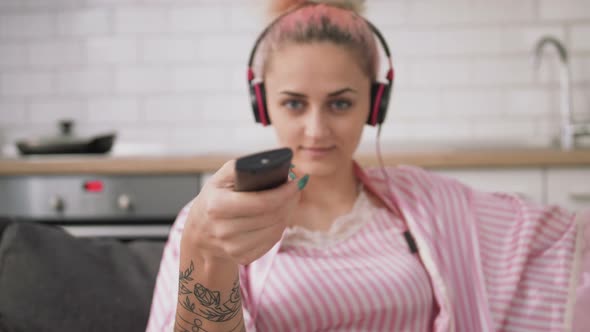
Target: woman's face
{"x":318,"y":102}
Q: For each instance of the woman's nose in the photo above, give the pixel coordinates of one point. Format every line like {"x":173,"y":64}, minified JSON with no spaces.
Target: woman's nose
{"x":316,"y":124}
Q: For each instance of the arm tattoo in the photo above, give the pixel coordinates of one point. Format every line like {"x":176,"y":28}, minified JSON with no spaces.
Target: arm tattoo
{"x":208,"y":303}
{"x":243,"y":329}
{"x":195,"y":325}
{"x":184,"y":279}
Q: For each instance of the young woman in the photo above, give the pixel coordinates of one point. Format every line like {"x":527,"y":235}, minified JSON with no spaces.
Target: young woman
{"x":343,"y":248}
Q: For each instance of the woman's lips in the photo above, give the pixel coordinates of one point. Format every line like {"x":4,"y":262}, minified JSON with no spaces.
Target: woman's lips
{"x":317,"y":151}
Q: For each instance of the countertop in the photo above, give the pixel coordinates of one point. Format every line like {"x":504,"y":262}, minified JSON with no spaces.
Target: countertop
{"x":183,"y":164}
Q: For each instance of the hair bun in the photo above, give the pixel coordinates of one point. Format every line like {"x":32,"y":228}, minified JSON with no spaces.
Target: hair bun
{"x":279,"y":7}
{"x":357,"y":6}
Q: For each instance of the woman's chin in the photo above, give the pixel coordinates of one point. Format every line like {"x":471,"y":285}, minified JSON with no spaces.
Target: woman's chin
{"x":314,"y":167}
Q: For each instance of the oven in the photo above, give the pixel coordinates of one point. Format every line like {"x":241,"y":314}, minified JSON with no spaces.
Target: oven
{"x":125,"y":207}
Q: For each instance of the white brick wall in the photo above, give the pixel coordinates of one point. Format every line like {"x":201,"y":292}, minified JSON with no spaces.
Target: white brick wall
{"x":13,"y":112}
{"x":140,"y":20}
{"x":111,"y":50}
{"x":172,"y":72}
{"x":198,"y":19}
{"x":579,"y":35}
{"x":113,"y":111}
{"x":29,"y":83}
{"x":84,"y":22}
{"x":564,"y":10}
{"x":167,"y":50}
{"x":56,"y":53}
{"x":180,"y":109}
{"x":13,"y":55}
{"x":473,"y":12}
{"x":19,"y":25}
{"x":84,"y":82}
{"x":143,"y":80}
{"x":49,"y":111}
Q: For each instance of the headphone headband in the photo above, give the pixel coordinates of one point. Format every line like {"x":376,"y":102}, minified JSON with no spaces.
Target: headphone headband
{"x":264,"y":32}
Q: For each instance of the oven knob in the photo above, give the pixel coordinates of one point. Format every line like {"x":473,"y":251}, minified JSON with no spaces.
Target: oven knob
{"x":57,"y":203}
{"x":124,"y":202}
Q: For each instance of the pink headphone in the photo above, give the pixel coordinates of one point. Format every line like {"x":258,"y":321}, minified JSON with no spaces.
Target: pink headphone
{"x":380,"y":92}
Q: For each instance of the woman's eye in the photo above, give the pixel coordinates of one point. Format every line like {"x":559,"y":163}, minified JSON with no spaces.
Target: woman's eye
{"x":293,"y":104}
{"x":340,"y":105}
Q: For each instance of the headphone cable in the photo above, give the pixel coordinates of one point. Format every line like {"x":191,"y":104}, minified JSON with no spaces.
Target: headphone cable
{"x":393,"y":201}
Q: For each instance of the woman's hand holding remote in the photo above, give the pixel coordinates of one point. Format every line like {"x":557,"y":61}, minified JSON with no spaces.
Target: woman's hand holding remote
{"x":225,"y":228}
{"x":240,"y":227}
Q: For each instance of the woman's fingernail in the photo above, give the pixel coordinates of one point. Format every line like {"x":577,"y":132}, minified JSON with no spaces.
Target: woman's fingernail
{"x":292,"y":175}
{"x":303,"y":181}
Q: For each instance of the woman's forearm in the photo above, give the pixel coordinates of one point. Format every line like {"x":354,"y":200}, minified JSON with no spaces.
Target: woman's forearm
{"x":208,"y":295}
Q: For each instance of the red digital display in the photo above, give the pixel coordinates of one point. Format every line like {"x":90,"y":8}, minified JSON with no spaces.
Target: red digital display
{"x":94,"y":186}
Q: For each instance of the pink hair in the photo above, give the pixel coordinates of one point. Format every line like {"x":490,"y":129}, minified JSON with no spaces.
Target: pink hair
{"x":306,"y":22}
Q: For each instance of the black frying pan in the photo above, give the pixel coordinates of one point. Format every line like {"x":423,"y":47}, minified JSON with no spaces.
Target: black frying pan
{"x":94,"y":145}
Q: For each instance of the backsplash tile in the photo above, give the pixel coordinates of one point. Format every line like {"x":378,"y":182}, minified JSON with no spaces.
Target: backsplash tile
{"x":579,"y":37}
{"x":172,"y":73}
{"x":564,"y":10}
{"x":51,"y":110}
{"x":27,"y":83}
{"x":106,"y":50}
{"x":84,"y":22}
{"x":16,"y":25}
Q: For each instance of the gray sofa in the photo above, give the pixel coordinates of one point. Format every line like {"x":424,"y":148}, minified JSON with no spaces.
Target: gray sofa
{"x":52,"y":281}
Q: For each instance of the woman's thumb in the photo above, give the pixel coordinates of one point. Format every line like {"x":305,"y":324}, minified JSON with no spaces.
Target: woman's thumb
{"x":225,"y":175}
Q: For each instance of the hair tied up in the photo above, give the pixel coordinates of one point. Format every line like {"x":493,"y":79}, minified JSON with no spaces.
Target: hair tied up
{"x":357,"y":6}
{"x":279,"y":7}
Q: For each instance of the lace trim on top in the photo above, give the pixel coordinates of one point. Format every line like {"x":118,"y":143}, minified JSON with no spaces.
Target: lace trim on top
{"x":342,"y":227}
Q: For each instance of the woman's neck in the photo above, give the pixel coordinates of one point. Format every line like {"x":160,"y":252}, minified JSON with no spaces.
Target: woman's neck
{"x":331,"y":192}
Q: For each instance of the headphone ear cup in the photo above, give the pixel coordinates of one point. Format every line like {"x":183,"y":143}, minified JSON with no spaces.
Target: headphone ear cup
{"x":258,"y":101}
{"x":254,"y":102}
{"x":379,"y":102}
{"x":385,"y":102}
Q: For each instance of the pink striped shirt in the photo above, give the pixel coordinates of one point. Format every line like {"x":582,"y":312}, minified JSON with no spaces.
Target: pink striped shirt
{"x":360,"y":276}
{"x":487,"y":262}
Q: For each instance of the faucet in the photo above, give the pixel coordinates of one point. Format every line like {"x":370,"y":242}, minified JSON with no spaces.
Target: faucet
{"x":569,"y":129}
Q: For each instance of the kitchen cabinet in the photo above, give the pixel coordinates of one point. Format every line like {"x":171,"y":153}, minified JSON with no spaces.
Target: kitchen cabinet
{"x":569,"y":187}
{"x":565,"y":186}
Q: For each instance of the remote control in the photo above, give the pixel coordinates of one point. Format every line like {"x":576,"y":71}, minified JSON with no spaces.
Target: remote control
{"x":263,"y":170}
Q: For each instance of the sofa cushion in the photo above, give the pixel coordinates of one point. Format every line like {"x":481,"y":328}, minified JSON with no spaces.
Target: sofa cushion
{"x":52,"y":281}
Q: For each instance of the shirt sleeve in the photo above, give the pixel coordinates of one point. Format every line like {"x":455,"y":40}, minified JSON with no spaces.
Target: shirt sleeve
{"x":579,"y":302}
{"x":527,"y":254}
{"x":246,"y":299}
{"x":165,"y":296}
{"x":163,"y":307}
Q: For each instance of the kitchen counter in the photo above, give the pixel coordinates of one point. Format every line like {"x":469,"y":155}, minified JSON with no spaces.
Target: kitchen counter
{"x":439,"y":158}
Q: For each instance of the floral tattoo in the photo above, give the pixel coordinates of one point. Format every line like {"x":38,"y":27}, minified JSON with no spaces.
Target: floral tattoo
{"x":208,"y":304}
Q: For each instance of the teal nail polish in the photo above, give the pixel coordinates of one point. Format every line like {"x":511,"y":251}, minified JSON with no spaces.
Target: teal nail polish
{"x":292,"y":175}
{"x":303,"y":181}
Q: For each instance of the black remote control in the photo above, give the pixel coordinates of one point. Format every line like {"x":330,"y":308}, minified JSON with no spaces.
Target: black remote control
{"x":263,"y":170}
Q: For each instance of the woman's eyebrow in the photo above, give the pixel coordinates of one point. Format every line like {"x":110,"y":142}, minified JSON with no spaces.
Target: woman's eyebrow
{"x":341,"y":91}
{"x":331,"y":94}
{"x":294,"y":94}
